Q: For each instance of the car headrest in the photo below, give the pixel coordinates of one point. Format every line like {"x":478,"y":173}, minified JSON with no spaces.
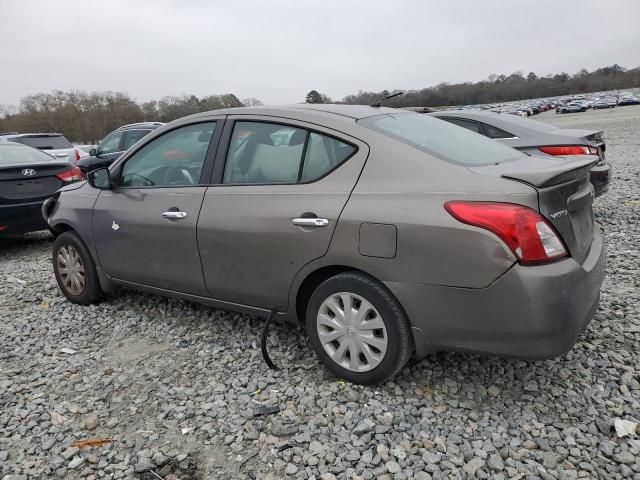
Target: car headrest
{"x":297,"y":138}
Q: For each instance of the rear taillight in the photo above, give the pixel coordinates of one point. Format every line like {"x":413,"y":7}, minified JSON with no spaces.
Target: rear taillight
{"x":3,"y":228}
{"x":77,"y":155}
{"x":525,"y":231}
{"x":73,"y":175}
{"x":570,"y":150}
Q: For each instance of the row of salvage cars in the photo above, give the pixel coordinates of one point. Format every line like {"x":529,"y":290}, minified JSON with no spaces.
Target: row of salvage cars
{"x":386,"y":233}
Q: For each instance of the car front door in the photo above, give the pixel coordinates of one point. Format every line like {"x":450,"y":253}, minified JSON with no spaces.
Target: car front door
{"x":145,"y":227}
{"x":278,"y":192}
{"x":109,"y":150}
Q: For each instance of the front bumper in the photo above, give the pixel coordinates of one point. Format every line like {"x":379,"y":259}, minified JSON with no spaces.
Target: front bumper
{"x":21,"y":218}
{"x":600,"y":177}
{"x":532,"y":312}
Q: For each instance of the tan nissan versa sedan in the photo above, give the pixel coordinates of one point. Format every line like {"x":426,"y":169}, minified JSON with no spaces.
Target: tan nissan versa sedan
{"x":386,"y":232}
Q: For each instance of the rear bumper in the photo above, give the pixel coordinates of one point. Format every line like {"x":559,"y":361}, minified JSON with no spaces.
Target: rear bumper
{"x":21,"y":218}
{"x":529,"y":312}
{"x":600,"y":176}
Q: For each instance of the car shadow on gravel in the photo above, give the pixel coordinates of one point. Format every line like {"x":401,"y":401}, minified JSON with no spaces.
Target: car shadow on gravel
{"x":493,"y":380}
{"x":21,"y":244}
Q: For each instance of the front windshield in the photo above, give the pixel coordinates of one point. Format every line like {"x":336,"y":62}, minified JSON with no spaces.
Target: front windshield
{"x":440,"y":138}
{"x":13,"y":154}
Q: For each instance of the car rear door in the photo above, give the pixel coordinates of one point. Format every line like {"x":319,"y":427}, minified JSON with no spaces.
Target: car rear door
{"x":145,"y":228}
{"x":279,"y":188}
{"x":132,"y":136}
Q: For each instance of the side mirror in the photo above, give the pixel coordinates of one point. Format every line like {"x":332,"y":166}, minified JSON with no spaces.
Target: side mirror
{"x":93,"y":152}
{"x":100,"y":179}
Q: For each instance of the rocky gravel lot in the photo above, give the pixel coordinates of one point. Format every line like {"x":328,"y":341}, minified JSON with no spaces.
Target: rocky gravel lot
{"x":178,"y":390}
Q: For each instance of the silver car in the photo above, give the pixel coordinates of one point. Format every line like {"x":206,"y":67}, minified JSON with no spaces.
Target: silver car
{"x":538,"y":139}
{"x":55,"y":144}
{"x":387,"y":233}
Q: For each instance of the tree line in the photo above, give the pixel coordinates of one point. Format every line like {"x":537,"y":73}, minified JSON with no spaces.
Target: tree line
{"x":503,"y":88}
{"x":88,"y":117}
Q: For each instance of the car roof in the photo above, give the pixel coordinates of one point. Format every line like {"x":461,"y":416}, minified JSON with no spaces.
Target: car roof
{"x":133,"y":126}
{"x":17,"y":135}
{"x":356,"y":112}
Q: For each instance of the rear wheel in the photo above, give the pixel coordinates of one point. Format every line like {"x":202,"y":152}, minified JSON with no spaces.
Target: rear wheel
{"x":358,"y":329}
{"x":75,"y":269}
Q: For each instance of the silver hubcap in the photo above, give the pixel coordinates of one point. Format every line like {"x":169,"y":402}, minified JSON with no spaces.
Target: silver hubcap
{"x":352,"y":332}
{"x":71,"y":270}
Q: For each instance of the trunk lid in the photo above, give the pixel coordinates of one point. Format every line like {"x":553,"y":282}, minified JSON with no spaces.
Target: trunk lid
{"x":561,"y":137}
{"x":68,"y":154}
{"x":30,"y":182}
{"x":565,"y":194}
{"x":574,"y":136}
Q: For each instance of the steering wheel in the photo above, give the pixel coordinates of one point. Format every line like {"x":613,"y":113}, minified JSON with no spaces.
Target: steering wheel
{"x":176,"y":175}
{"x":137,"y":180}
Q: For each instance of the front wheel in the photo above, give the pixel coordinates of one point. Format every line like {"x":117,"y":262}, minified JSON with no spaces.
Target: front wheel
{"x":357,"y":329}
{"x":75,"y":269}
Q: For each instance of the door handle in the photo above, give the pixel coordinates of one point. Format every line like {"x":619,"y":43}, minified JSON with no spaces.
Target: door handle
{"x":174,"y":215}
{"x":310,"y":222}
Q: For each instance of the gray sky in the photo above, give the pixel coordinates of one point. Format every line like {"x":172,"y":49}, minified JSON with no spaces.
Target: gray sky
{"x":278,"y":50}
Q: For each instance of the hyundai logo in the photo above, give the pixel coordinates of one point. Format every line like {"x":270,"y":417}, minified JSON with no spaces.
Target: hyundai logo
{"x":28,"y":172}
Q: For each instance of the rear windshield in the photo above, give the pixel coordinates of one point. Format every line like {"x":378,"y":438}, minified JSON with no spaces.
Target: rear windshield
{"x":44,"y":142}
{"x":527,"y":123}
{"x":441,"y":139}
{"x":20,"y":155}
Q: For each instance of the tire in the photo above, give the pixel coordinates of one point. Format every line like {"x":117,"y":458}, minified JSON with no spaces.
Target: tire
{"x":379,"y":364}
{"x":70,"y":248}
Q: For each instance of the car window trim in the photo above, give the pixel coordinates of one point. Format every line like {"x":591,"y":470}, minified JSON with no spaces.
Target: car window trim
{"x":483,"y":126}
{"x":304,"y":155}
{"x":466,"y":120}
{"x":221,"y":157}
{"x":207,"y":164}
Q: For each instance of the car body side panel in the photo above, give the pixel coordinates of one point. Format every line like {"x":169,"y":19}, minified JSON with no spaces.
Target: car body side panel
{"x":529,"y":312}
{"x":451,"y":253}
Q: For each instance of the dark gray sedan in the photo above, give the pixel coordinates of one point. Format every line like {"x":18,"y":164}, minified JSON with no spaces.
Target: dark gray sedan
{"x":537,"y":139}
{"x":386,"y":233}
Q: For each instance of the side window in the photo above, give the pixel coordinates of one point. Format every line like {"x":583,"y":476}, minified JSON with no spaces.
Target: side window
{"x":264,"y":153}
{"x":495,"y":132}
{"x":111,"y":144}
{"x":173,"y":159}
{"x":468,"y":124}
{"x":323,"y":155}
{"x":132,"y":136}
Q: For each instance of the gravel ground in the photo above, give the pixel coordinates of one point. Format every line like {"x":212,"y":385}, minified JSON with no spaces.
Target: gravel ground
{"x":170,"y":383}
